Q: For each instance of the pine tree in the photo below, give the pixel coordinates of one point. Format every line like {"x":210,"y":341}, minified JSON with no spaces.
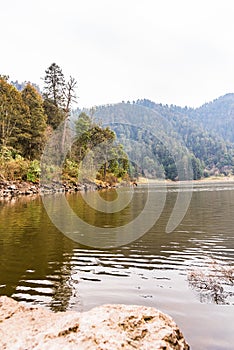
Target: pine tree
{"x":54,"y":96}
{"x":54,"y":85}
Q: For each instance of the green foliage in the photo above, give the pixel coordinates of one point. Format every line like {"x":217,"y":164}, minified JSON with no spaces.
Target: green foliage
{"x":202,"y":130}
{"x":34,"y":171}
{"x":156,"y":137}
{"x":32,"y":146}
{"x":54,"y":99}
{"x":13,"y":168}
{"x":54,"y":114}
{"x":217,"y":117}
{"x":70,"y":170}
{"x":173,"y":128}
{"x":197,"y":168}
{"x":6,"y":153}
{"x":58,"y":95}
{"x":90,"y":135}
{"x":54,"y":85}
{"x":14,"y":116}
{"x":108,"y":158}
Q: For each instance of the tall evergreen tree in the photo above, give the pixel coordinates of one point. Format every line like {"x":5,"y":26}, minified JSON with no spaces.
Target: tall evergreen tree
{"x":54,"y":85}
{"x":54,"y":97}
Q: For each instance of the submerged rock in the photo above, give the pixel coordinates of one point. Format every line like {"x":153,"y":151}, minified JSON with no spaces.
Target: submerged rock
{"x":107,"y":327}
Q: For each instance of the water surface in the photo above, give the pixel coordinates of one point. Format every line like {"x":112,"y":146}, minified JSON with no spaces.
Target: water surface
{"x":40,"y":265}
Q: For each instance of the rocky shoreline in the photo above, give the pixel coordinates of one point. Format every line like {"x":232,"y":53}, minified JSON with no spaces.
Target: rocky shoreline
{"x":107,"y":327}
{"x":12,"y":189}
{"x":17,"y":188}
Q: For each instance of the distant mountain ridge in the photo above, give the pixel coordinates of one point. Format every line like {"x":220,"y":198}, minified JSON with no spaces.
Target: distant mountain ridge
{"x":217,"y":116}
{"x":206,"y":131}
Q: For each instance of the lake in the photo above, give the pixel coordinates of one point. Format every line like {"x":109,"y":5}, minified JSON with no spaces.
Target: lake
{"x":179,"y":272}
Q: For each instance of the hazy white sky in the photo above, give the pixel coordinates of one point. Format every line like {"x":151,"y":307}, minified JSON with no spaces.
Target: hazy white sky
{"x":170,"y":51}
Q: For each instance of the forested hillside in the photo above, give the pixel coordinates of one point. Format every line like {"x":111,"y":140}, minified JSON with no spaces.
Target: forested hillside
{"x":202,"y":133}
{"x":143,"y":137}
{"x":217,"y":116}
{"x":206,"y":132}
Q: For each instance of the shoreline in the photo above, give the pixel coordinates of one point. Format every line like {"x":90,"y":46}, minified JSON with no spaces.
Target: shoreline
{"x":17,"y":188}
{"x":205,"y":180}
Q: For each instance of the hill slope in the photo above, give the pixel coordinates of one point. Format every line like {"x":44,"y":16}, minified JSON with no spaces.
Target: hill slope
{"x":157,"y":135}
{"x":217,"y":116}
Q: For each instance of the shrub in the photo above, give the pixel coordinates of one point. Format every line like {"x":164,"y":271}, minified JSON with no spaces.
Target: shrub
{"x":34,"y":171}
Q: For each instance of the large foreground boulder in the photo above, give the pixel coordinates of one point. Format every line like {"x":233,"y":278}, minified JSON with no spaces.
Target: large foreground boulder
{"x":106,"y":327}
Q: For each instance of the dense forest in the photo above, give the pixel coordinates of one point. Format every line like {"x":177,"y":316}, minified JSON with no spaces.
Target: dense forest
{"x":161,"y":131}
{"x":141,"y":137}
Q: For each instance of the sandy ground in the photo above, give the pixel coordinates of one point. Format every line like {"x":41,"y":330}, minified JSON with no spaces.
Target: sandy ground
{"x":207,"y":180}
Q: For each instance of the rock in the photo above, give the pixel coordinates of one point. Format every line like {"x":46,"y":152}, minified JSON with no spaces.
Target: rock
{"x":12,"y":187}
{"x":108,"y":327}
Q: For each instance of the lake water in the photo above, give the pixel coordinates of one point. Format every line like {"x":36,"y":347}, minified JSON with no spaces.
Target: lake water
{"x":42,"y":266}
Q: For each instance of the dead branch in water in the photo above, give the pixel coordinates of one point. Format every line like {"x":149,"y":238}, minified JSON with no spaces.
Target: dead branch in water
{"x":213,"y":283}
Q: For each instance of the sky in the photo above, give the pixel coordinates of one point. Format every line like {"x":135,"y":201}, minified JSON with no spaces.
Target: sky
{"x":169,"y":51}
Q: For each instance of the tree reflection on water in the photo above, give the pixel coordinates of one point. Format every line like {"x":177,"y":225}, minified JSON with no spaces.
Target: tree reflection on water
{"x":215,"y":283}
